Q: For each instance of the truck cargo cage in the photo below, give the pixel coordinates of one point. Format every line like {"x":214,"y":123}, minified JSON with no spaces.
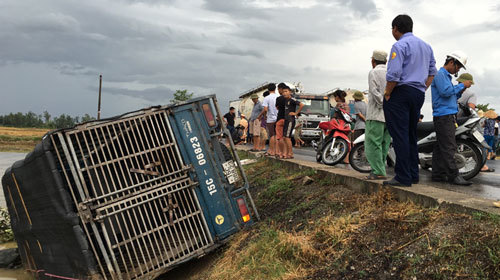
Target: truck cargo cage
{"x":122,"y":174}
{"x":122,"y":198}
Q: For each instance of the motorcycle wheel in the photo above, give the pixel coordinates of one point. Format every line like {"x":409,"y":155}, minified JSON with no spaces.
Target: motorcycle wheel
{"x":340,"y":150}
{"x":357,"y":159}
{"x":474,"y":158}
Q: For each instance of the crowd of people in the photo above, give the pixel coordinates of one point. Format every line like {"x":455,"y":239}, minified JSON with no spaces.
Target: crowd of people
{"x":396,"y":90}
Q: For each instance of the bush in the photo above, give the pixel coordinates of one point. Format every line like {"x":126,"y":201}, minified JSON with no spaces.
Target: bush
{"x":6,"y":233}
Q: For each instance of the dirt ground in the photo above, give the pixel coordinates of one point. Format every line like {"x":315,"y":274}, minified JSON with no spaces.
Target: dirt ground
{"x":13,"y":139}
{"x":324,"y":231}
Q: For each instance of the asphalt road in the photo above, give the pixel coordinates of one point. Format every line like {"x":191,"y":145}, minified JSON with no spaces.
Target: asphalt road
{"x":485,"y":184}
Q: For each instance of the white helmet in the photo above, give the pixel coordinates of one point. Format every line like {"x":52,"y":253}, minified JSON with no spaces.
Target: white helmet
{"x":460,"y":57}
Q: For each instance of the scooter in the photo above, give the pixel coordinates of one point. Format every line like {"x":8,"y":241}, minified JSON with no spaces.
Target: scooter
{"x":334,"y":142}
{"x":470,"y":156}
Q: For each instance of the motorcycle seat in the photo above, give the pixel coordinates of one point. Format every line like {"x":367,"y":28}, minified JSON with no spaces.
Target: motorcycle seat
{"x":424,"y":129}
{"x":461,"y":121}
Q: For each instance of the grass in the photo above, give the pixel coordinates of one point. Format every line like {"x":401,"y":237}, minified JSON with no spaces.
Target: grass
{"x":23,"y":140}
{"x":325,"y":231}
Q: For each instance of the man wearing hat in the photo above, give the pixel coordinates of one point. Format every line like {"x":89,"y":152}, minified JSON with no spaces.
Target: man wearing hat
{"x":444,"y":110}
{"x":360,"y":112}
{"x":377,"y":137}
{"x":255,"y":122}
{"x":468,"y":98}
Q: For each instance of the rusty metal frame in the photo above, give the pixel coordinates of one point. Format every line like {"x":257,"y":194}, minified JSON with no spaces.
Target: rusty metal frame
{"x":120,"y":206}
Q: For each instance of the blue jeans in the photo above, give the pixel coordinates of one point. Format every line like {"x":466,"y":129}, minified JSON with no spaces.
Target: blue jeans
{"x":490,"y":140}
{"x":401,"y":117}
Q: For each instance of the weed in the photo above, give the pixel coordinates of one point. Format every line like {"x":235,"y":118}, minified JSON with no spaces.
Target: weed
{"x":6,"y":233}
{"x":278,"y":186}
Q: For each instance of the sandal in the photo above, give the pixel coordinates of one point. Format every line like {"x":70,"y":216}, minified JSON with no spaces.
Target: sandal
{"x":488,"y":170}
{"x":373,"y":176}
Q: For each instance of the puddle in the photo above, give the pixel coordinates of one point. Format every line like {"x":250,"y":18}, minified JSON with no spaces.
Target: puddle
{"x":14,"y":274}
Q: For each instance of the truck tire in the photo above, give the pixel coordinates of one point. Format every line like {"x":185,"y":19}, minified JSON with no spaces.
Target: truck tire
{"x":226,"y":152}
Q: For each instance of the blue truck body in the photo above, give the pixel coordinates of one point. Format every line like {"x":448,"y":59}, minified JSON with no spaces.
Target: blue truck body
{"x":128,"y":197}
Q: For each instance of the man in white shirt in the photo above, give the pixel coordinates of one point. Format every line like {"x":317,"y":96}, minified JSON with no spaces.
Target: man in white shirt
{"x":269,"y":104}
{"x":377,"y":138}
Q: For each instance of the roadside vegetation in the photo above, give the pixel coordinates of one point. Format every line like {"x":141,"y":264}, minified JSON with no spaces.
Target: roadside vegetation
{"x":6,"y":233}
{"x":21,"y":140}
{"x":318,"y":230}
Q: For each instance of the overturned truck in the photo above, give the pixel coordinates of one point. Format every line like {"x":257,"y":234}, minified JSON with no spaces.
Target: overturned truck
{"x":128,"y":197}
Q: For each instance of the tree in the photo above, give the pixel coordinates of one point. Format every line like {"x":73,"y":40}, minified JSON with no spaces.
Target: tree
{"x":87,"y":118}
{"x":64,"y":121}
{"x":181,"y":96}
{"x":484,"y":107}
{"x":46,"y":117}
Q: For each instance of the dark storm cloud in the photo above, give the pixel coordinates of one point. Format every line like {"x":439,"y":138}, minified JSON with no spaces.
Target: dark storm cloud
{"x":156,"y":94}
{"x":236,"y":9}
{"x":364,"y":7}
{"x":231,"y":50}
{"x":225,"y":53}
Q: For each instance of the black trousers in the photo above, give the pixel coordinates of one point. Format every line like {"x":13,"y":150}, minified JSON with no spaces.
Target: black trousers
{"x":443,"y":161}
{"x":401,"y":117}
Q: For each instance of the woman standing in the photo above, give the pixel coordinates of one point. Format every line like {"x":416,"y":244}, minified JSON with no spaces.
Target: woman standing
{"x":489,"y":131}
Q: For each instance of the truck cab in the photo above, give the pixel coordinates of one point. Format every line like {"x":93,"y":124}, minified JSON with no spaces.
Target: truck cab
{"x":316,"y":109}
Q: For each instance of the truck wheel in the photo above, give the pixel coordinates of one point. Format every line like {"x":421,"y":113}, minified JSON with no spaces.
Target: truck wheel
{"x":340,"y":150}
{"x":357,"y":159}
{"x":226,"y":152}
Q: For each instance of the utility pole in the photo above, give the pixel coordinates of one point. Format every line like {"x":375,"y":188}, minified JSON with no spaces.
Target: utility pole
{"x":99,"y":103}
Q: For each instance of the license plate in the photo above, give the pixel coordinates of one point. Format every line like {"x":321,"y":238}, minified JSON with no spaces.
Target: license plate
{"x":230,"y":171}
{"x":479,"y":137}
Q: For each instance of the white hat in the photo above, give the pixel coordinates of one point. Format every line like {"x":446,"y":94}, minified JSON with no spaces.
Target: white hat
{"x":379,"y":55}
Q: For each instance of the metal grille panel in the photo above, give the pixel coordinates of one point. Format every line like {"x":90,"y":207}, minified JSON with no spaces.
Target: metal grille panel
{"x":311,"y":124}
{"x":133,"y":194}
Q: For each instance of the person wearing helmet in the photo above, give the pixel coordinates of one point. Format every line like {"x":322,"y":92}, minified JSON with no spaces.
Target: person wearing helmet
{"x":410,"y":71}
{"x":468,"y":99}
{"x":444,"y":110}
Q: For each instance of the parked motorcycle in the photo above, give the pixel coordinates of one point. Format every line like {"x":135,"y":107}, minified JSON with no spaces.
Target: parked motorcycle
{"x":470,"y":156}
{"x":334,"y":144}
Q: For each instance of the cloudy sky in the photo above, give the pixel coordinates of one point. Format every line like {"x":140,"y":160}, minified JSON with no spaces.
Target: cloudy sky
{"x":52,"y":51}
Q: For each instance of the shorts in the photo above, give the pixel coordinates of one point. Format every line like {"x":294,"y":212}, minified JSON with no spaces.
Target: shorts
{"x":279,"y":129}
{"x":288,"y":128}
{"x":297,"y":133}
{"x":263,"y":134}
{"x":254,"y":128}
{"x":271,"y":129}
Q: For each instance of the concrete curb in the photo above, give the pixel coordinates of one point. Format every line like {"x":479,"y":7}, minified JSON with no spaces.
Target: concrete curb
{"x":425,"y":195}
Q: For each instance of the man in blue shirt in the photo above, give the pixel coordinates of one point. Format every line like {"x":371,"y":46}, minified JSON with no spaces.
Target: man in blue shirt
{"x":445,"y":108}
{"x":410,"y":71}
